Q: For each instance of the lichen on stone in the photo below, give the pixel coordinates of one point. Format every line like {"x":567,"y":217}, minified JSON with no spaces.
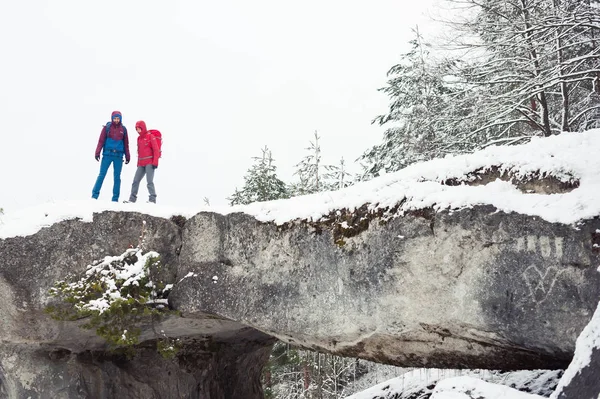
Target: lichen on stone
{"x":346,"y":223}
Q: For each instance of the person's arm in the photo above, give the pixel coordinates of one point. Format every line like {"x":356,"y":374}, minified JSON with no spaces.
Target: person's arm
{"x":101,"y":142}
{"x":126,"y":143}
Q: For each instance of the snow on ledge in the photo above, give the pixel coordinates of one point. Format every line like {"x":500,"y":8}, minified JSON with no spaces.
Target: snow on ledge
{"x":469,"y":387}
{"x":419,"y":185}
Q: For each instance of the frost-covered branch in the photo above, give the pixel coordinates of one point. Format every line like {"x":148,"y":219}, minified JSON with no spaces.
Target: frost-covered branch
{"x":114,"y":295}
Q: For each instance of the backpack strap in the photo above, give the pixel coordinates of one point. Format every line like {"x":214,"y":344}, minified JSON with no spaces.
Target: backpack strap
{"x":106,"y":131}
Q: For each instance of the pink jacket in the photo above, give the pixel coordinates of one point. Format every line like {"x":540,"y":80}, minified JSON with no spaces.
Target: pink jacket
{"x":148,"y":152}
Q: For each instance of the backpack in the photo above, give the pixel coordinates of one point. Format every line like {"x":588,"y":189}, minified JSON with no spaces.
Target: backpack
{"x":156,"y":134}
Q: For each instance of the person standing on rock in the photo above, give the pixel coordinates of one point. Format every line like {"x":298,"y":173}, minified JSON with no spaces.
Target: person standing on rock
{"x":148,"y":146}
{"x":113,"y":143}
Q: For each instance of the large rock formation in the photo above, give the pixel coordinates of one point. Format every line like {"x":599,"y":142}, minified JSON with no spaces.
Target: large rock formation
{"x":468,"y":289}
{"x":473,"y":288}
{"x":42,"y":358}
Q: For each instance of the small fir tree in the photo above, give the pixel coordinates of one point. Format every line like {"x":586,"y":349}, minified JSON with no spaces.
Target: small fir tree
{"x":260,"y":182}
{"x":337,"y":177}
{"x":308,"y":170}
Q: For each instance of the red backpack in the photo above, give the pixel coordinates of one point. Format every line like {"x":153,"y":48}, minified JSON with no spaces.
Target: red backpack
{"x":156,"y":134}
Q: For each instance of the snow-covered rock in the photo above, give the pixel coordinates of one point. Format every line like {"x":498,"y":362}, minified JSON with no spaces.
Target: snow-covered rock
{"x":580,"y":380}
{"x":478,"y":261}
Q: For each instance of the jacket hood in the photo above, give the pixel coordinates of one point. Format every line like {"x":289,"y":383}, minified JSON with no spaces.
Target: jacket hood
{"x":116,"y":113}
{"x":142,"y":125}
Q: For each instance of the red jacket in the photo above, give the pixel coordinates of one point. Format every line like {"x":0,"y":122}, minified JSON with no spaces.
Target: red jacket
{"x":148,"y":152}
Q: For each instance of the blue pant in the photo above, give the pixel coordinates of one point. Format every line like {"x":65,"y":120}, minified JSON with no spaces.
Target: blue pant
{"x":117,"y":167}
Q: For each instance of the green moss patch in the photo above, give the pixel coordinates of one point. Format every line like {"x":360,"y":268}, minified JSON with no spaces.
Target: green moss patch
{"x":115,"y":296}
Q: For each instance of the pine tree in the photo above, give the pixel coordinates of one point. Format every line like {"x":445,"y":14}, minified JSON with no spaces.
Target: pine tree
{"x":308,"y":170}
{"x":337,"y":177}
{"x":420,"y":102}
{"x":260,"y":182}
{"x":238,"y":198}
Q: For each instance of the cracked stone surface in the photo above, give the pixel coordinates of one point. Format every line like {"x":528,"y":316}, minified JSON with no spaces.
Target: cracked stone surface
{"x":469,"y":289}
{"x":43,"y":358}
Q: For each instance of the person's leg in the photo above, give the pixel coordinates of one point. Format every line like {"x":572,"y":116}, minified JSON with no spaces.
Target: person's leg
{"x":117,"y":167}
{"x":139,"y":175}
{"x":150,"y":180}
{"x":104,"y":164}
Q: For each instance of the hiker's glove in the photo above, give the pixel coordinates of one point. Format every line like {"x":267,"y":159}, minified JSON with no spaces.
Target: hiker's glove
{"x":97,"y":158}
{"x":154,"y":166}
{"x":126,"y":161}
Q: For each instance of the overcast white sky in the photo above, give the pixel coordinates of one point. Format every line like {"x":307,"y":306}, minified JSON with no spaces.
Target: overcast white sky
{"x":219,"y":79}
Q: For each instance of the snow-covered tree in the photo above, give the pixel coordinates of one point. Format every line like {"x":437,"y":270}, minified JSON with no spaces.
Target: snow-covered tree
{"x":536,"y":63}
{"x":308,"y":170}
{"x":315,"y":176}
{"x":297,"y":373}
{"x":260,"y":182}
{"x":116,"y":296}
{"x":337,"y":176}
{"x":420,"y":91}
{"x":513,"y":70}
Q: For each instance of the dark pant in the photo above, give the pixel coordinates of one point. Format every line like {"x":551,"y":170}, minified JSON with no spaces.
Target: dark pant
{"x":148,"y":171}
{"x":117,"y":162}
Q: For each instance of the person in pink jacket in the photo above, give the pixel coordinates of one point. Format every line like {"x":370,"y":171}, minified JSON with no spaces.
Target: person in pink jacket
{"x":148,"y":154}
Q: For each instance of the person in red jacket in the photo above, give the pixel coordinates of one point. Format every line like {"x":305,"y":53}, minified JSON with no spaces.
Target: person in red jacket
{"x":148,"y":154}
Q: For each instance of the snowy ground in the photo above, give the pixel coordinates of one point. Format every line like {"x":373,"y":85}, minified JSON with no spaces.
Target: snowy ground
{"x":565,"y":156}
{"x":451,"y":384}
